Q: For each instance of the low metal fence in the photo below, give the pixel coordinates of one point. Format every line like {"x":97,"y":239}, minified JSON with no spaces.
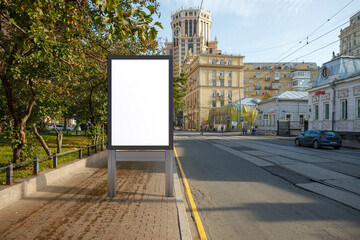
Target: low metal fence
{"x":10,"y":167}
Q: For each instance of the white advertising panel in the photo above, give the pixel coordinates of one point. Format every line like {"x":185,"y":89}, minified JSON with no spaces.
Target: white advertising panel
{"x":140,"y":102}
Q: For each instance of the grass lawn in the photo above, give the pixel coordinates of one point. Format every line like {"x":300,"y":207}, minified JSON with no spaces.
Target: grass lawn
{"x":70,"y":142}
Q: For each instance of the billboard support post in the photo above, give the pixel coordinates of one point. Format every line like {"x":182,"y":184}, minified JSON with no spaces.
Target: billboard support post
{"x":140,"y":82}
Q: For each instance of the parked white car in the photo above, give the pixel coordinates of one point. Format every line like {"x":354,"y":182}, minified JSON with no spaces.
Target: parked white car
{"x":58,"y":127}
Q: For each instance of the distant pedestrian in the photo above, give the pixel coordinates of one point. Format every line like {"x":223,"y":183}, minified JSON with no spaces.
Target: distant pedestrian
{"x":232,"y":128}
{"x":243,"y":130}
{"x":252,"y":130}
{"x":222,"y":128}
{"x":201,"y":130}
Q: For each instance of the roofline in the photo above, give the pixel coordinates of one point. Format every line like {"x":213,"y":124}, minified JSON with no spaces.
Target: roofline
{"x":282,"y":99}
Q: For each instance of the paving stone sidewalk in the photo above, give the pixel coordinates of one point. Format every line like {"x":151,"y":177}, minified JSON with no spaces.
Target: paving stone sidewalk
{"x":78,"y":207}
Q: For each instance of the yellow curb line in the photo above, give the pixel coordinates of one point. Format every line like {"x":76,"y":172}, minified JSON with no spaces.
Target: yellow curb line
{"x":199,"y":225}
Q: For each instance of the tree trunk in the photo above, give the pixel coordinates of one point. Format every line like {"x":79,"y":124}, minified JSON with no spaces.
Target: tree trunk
{"x":41,"y":140}
{"x":59,"y":138}
{"x":19,"y":134}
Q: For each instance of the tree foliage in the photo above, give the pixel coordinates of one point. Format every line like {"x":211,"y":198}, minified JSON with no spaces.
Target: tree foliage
{"x":49,"y":48}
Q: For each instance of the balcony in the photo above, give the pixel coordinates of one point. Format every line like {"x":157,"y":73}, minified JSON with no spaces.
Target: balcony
{"x":257,"y":87}
{"x":267,"y":79}
{"x":221,"y":77}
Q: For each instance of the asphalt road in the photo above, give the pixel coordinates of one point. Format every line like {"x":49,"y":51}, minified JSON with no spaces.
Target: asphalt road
{"x":238,"y":199}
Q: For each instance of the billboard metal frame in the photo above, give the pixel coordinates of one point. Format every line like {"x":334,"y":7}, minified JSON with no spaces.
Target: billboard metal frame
{"x":145,"y":57}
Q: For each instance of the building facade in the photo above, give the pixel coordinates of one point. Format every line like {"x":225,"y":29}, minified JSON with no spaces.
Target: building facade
{"x":213,"y":81}
{"x":350,"y":37}
{"x":334,"y":101}
{"x":190,"y":34}
{"x":277,"y":78}
{"x":288,"y":109}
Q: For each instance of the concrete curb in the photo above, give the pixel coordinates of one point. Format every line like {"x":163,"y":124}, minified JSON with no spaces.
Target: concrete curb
{"x":180,"y":204}
{"x":26,"y":186}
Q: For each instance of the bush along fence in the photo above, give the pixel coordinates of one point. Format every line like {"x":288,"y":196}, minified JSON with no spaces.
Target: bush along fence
{"x":9,"y":169}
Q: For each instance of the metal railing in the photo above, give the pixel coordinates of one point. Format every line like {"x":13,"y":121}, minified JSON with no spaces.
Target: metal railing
{"x":10,"y":167}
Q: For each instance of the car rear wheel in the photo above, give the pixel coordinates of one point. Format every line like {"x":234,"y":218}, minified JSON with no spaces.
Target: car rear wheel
{"x":297,"y":142}
{"x":337,"y":147}
{"x":316,"y":144}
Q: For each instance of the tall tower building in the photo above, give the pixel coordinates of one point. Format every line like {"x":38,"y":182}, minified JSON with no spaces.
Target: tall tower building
{"x":190,"y":34}
{"x":350,"y":37}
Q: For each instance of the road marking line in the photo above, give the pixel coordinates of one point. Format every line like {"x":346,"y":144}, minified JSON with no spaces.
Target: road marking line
{"x":199,"y":225}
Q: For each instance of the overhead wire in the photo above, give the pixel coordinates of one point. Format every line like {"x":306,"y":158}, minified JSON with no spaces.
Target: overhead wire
{"x":307,"y":37}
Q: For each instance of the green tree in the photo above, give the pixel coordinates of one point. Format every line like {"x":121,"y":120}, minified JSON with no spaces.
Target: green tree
{"x":39,"y":37}
{"x":267,"y":96}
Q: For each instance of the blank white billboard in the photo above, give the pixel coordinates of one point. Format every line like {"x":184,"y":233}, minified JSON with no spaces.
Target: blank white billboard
{"x":140,"y":90}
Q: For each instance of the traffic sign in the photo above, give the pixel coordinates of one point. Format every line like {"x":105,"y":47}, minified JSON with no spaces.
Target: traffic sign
{"x":241,"y":119}
{"x":265,"y":116}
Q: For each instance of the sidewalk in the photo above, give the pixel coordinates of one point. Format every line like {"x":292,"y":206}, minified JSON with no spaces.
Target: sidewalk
{"x":78,"y":207}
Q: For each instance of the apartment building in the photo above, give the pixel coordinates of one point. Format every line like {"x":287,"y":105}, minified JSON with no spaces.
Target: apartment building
{"x":190,"y":34}
{"x":277,"y":78}
{"x":213,"y":81}
{"x":350,"y":37}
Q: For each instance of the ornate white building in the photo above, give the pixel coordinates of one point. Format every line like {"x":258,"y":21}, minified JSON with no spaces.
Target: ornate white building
{"x":334,"y":101}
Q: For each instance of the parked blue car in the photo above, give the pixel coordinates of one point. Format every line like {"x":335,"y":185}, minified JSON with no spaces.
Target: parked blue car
{"x":319,"y":138}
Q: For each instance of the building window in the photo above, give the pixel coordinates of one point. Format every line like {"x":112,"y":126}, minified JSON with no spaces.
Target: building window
{"x":316,"y":112}
{"x":214,"y":103}
{"x":194,"y":27}
{"x":288,"y":75}
{"x":250,"y":88}
{"x":282,"y":75}
{"x":288,"y":117}
{"x":313,"y":75}
{"x":213,"y":61}
{"x":214,"y":82}
{"x":288,"y":85}
{"x":357,"y":103}
{"x":221,"y":73}
{"x":229,"y":74}
{"x":229,"y":83}
{"x":247,"y":79}
{"x":222,"y":93}
{"x":276,"y":92}
{"x":221,"y":83}
{"x":213,"y":73}
{"x":301,"y":118}
{"x":257,"y":75}
{"x":222,"y":104}
{"x":266,"y":76}
{"x":221,"y":62}
{"x":186,"y":27}
{"x":247,"y":89}
{"x":250,"y":79}
{"x":343,"y":109}
{"x":229,"y":62}
{"x":244,"y":80}
{"x":229,"y":94}
{"x":277,"y":76}
{"x":257,"y":92}
{"x":281,"y":84}
{"x":214,"y":93}
{"x":326,"y":111}
{"x":190,"y":28}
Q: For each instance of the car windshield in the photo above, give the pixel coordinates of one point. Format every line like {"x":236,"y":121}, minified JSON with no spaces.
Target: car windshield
{"x":326,"y":133}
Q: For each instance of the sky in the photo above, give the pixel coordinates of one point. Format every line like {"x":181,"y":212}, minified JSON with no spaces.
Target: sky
{"x":270,"y":30}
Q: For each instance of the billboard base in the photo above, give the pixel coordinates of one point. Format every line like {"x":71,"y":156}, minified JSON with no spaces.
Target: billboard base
{"x":118,"y":156}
